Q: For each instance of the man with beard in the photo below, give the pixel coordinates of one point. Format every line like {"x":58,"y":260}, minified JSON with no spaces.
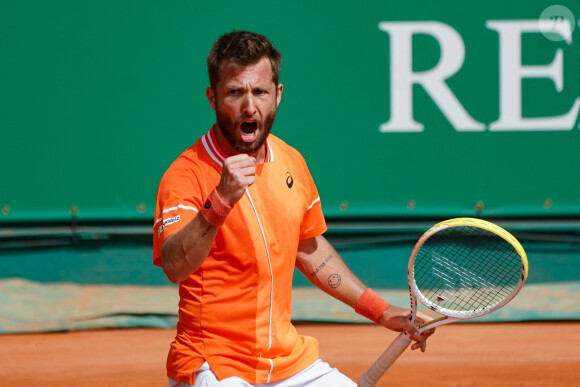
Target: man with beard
{"x":236,"y":212}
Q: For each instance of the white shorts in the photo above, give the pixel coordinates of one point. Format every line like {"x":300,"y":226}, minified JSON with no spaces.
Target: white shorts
{"x":319,"y":374}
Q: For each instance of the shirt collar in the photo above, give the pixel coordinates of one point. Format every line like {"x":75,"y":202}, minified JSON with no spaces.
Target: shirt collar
{"x":214,"y":151}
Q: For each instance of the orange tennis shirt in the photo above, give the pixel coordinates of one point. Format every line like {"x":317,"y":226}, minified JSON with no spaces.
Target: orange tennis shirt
{"x":234,"y":311}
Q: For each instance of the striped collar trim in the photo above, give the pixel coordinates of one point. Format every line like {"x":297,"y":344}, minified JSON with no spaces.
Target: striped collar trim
{"x":214,"y":151}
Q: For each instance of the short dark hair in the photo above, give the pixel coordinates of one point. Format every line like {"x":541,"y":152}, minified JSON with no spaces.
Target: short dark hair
{"x":241,"y":48}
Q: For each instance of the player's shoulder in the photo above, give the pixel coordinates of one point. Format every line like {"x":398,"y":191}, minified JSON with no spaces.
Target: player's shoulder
{"x":284,"y":149}
{"x":187,"y":162}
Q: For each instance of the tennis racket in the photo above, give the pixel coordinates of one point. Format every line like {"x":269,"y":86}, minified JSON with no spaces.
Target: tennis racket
{"x":460,"y":268}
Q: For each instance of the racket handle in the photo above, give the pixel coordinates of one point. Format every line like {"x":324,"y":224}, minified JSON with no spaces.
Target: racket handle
{"x":382,"y":364}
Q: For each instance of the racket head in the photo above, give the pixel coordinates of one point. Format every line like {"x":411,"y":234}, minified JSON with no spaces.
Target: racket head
{"x":464,"y":268}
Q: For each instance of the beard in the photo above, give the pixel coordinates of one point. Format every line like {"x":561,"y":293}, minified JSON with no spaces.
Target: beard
{"x":229,"y":129}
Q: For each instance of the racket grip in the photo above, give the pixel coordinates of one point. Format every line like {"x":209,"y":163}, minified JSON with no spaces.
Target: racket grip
{"x":382,"y":364}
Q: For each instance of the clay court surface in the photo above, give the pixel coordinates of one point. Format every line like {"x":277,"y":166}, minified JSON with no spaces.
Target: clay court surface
{"x":474,"y":354}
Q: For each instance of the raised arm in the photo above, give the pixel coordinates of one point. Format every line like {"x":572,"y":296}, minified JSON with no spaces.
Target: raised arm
{"x":185,"y":251}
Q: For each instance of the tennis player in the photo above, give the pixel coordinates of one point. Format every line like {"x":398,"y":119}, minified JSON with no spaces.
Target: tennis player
{"x":236,"y":212}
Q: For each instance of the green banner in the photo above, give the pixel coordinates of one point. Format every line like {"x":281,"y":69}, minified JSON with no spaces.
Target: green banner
{"x":401,"y":109}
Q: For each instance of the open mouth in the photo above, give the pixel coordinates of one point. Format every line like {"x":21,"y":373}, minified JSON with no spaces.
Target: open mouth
{"x":249,"y":130}
{"x":248,"y":127}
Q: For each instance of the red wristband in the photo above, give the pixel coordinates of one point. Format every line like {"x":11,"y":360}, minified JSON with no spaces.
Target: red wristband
{"x":371,"y":305}
{"x":215,"y":210}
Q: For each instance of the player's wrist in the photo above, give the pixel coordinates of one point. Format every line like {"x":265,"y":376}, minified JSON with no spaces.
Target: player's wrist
{"x":371,"y":306}
{"x":215,"y":210}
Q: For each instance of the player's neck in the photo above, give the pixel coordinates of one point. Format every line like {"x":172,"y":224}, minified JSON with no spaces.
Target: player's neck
{"x":259,"y":155}
{"x":229,"y":150}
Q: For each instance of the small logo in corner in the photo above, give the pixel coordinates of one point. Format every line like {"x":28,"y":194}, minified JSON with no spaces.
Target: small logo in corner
{"x":557,"y":23}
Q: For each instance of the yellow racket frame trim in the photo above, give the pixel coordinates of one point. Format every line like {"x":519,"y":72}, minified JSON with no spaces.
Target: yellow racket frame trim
{"x":491,"y":227}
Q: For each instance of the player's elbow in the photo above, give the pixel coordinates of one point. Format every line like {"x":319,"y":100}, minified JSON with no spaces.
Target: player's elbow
{"x":174,"y":273}
{"x":173,"y":276}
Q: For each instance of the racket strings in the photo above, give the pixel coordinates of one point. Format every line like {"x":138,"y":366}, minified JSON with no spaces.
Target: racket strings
{"x":466,"y":269}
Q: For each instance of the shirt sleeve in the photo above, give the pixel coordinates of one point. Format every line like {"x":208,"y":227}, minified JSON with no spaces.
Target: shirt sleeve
{"x":178,"y":202}
{"x":313,"y":222}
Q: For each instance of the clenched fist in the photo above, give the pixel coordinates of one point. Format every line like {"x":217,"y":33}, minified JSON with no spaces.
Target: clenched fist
{"x":238,"y":173}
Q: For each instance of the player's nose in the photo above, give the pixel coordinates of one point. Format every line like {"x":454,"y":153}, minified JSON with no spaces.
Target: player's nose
{"x":249,"y":105}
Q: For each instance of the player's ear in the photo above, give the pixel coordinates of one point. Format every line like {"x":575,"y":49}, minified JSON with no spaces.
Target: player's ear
{"x":210,"y":94}
{"x":279,"y":89}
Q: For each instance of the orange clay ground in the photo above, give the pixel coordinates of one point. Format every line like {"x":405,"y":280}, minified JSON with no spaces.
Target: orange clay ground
{"x":472,"y":354}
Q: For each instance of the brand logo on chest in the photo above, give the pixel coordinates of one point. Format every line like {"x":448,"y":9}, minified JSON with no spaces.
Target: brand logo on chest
{"x":289,"y":180}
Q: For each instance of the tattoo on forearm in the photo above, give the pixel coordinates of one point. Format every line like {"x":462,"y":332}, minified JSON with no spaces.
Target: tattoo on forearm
{"x":205,"y":232}
{"x":321,"y":265}
{"x":334,"y":280}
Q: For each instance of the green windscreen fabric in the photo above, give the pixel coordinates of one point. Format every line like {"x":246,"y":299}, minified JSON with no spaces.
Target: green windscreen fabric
{"x":401,"y":109}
